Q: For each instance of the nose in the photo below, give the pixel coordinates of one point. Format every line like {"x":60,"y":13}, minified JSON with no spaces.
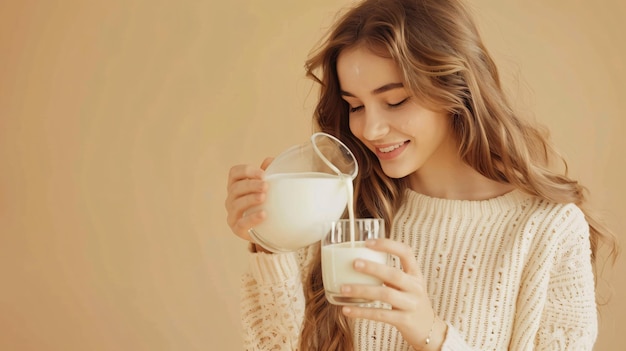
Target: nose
{"x":374,"y":125}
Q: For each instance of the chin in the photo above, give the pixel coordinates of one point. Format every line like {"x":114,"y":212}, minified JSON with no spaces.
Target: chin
{"x":395,"y":172}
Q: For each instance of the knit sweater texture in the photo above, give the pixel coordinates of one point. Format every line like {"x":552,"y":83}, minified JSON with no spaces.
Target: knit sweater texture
{"x":509,"y":273}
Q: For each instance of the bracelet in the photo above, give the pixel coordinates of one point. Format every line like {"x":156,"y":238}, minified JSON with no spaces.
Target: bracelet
{"x":431,"y":331}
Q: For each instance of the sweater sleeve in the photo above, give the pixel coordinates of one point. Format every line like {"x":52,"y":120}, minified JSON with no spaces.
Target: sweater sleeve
{"x":569,"y":317}
{"x":556,"y":308}
{"x":272,"y":301}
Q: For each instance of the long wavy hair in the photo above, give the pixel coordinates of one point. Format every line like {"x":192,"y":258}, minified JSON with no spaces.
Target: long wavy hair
{"x":444,"y":63}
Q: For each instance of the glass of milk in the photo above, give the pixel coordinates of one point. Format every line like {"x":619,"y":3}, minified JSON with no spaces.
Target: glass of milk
{"x":340,"y":247}
{"x":309,"y":185}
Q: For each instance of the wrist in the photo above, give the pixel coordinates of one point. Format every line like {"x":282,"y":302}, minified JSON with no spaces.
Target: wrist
{"x":436,"y":336}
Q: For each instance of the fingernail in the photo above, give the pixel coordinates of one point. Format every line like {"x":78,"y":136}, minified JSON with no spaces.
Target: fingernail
{"x":359,"y":264}
{"x":346,"y":310}
{"x":345,"y":289}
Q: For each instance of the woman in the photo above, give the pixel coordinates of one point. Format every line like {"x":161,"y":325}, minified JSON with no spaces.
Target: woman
{"x":494,"y":247}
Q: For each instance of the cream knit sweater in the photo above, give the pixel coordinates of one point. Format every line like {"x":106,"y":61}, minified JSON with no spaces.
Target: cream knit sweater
{"x":509,"y":273}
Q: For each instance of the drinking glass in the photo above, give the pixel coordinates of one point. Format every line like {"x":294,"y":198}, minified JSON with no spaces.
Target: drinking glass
{"x":339,"y":250}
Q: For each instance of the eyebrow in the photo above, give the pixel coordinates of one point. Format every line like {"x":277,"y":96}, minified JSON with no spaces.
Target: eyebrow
{"x":380,"y":90}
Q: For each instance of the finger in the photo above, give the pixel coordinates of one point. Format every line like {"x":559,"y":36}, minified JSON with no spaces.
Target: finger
{"x":240,"y":172}
{"x":403,"y":251}
{"x":266,"y":162}
{"x":242,"y":196}
{"x":237,"y":207}
{"x":241,"y":226}
{"x":384,"y":315}
{"x":398,"y":299}
{"x":391,"y":276}
{"x":244,"y":187}
{"x":243,"y":206}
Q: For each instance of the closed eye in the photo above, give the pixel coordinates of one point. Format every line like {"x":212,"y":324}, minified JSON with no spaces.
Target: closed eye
{"x":399,"y":103}
{"x":355,"y":109}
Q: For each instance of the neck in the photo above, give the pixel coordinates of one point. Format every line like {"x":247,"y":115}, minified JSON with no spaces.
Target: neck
{"x":455,"y":181}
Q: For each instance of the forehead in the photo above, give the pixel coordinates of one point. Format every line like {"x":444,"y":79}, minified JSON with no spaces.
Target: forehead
{"x":360,"y":68}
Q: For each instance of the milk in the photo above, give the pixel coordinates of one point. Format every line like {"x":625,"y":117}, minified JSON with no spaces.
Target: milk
{"x":299,"y":207}
{"x":350,"y":193}
{"x":338,"y":263}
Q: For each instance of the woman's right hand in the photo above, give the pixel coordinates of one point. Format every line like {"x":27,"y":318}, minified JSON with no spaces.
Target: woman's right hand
{"x":246,"y":189}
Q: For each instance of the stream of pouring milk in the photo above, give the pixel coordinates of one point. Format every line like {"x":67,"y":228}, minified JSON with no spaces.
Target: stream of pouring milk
{"x":350,"y":190}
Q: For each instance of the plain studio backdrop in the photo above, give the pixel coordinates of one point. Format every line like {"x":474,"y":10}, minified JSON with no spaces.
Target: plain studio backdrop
{"x":120,"y":119}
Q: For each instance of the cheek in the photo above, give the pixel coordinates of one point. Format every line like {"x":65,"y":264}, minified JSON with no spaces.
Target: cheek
{"x":409,"y":123}
{"x":408,"y":126}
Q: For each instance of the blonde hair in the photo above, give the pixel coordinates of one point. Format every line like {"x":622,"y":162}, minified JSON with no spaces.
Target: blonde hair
{"x":445,"y":64}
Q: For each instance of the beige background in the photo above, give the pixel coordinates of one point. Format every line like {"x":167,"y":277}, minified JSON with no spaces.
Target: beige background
{"x":119,"y":120}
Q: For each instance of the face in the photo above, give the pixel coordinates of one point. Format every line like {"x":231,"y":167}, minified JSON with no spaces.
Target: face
{"x":406,"y":136}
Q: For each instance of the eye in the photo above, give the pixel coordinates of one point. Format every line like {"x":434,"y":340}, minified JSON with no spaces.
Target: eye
{"x":355,"y":109}
{"x":399,"y":103}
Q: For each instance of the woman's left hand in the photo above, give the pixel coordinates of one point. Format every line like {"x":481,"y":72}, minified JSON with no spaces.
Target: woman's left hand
{"x":404,"y":289}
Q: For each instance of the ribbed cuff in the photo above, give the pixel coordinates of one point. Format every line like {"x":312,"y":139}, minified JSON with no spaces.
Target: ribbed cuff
{"x":273,"y":268}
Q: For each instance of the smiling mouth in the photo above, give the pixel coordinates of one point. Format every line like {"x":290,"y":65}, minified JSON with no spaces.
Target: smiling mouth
{"x":388,"y":149}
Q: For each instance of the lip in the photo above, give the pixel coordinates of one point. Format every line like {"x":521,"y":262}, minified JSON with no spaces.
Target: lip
{"x":392,"y":154}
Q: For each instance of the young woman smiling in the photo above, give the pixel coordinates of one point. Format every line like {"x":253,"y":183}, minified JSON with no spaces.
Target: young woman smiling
{"x":493,"y":249}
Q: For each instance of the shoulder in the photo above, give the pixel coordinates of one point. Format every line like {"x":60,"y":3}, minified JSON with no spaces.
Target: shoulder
{"x":557,"y":218}
{"x":556,"y":228}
